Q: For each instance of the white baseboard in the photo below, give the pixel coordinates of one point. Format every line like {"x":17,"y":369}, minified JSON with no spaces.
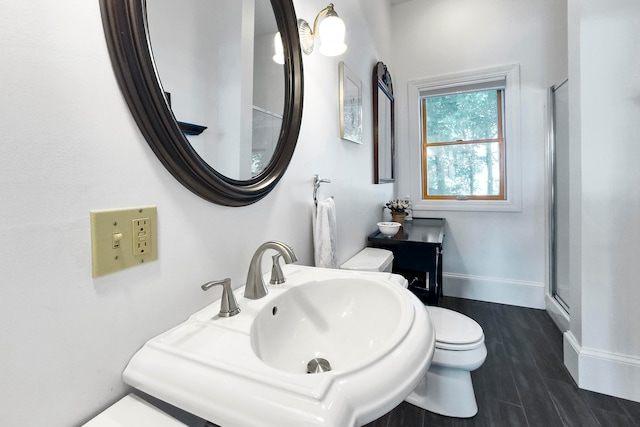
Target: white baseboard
{"x":491,"y":289}
{"x":603,"y":372}
{"x":571,"y":353}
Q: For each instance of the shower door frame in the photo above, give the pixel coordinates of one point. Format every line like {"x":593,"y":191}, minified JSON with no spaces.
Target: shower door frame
{"x":552,"y":199}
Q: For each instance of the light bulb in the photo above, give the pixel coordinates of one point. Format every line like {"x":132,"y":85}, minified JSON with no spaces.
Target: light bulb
{"x":278,"y":49}
{"x":331,"y":33}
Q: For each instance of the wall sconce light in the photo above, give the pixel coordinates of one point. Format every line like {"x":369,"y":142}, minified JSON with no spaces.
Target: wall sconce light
{"x":331,"y":32}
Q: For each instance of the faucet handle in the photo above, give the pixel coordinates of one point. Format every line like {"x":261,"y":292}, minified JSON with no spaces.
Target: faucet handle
{"x":277,"y":276}
{"x":228,"y":304}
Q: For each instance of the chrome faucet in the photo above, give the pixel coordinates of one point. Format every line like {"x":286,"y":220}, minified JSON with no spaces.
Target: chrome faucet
{"x":255,"y":287}
{"x":228,"y":304}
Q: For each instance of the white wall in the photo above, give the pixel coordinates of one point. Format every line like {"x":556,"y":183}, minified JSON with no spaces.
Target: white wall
{"x":602,"y":348}
{"x":378,"y":13}
{"x":69,"y":145}
{"x":491,"y":256}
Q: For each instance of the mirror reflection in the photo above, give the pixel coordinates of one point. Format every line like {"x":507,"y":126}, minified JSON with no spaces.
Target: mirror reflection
{"x":216,"y":60}
{"x":385,"y":161}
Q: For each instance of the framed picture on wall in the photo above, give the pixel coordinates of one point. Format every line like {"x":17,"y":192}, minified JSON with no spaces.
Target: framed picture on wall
{"x":350,"y":105}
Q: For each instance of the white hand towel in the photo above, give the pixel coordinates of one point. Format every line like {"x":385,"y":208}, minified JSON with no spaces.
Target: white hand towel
{"x":324,"y":234}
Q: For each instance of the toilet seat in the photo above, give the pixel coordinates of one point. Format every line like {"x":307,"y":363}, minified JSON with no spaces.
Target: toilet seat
{"x":455,"y":331}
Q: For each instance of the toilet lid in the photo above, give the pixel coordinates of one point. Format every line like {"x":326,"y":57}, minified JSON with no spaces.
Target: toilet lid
{"x":455,"y":330}
{"x":369,"y":259}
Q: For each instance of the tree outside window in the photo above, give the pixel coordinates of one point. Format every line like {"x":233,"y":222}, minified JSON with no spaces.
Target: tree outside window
{"x":463,"y":145}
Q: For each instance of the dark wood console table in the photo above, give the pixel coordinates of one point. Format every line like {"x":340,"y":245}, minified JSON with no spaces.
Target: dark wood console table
{"x":417,"y":255}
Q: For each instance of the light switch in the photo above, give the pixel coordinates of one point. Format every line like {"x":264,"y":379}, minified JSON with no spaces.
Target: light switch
{"x":116,"y":238}
{"x":122,"y":238}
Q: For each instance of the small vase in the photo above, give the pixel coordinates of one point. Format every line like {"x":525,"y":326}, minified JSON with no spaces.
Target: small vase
{"x":398,"y":217}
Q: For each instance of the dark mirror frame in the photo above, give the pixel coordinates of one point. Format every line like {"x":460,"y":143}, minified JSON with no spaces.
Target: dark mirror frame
{"x":126,"y":31}
{"x":382,"y":80}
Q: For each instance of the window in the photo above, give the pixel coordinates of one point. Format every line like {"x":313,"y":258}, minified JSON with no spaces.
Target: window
{"x":463,"y":144}
{"x":464,"y":137}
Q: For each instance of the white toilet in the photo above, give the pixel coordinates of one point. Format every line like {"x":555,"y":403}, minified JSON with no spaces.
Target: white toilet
{"x":446,"y":388}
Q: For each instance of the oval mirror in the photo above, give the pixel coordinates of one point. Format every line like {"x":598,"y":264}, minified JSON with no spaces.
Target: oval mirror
{"x":196,"y":76}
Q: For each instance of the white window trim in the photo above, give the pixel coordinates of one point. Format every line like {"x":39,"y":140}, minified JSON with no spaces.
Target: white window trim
{"x":513,"y":202}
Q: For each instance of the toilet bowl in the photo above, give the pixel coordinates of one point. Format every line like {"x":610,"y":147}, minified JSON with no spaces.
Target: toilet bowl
{"x":446,"y":388}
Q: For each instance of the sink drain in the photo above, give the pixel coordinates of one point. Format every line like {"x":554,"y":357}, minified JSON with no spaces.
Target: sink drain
{"x":317,"y":365}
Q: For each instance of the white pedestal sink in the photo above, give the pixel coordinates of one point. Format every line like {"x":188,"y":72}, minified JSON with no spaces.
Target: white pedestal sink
{"x":251,"y":369}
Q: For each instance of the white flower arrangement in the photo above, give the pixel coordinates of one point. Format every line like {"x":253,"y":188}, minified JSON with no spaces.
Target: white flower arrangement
{"x":398,"y":205}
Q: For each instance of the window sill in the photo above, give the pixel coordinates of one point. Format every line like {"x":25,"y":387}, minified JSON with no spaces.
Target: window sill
{"x":421,"y":209}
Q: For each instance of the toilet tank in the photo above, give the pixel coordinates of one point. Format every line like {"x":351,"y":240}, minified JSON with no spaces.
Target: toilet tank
{"x":133,"y":411}
{"x":370,"y":259}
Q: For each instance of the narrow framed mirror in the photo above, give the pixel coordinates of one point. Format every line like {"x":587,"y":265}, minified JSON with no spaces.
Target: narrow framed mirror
{"x":223,"y":165}
{"x":383,"y":126}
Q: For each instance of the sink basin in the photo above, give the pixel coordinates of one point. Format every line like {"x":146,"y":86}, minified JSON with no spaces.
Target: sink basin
{"x":251,"y":369}
{"x":347,"y":321}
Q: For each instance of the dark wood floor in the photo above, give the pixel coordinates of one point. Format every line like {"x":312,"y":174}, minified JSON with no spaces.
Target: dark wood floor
{"x":523,"y":382}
